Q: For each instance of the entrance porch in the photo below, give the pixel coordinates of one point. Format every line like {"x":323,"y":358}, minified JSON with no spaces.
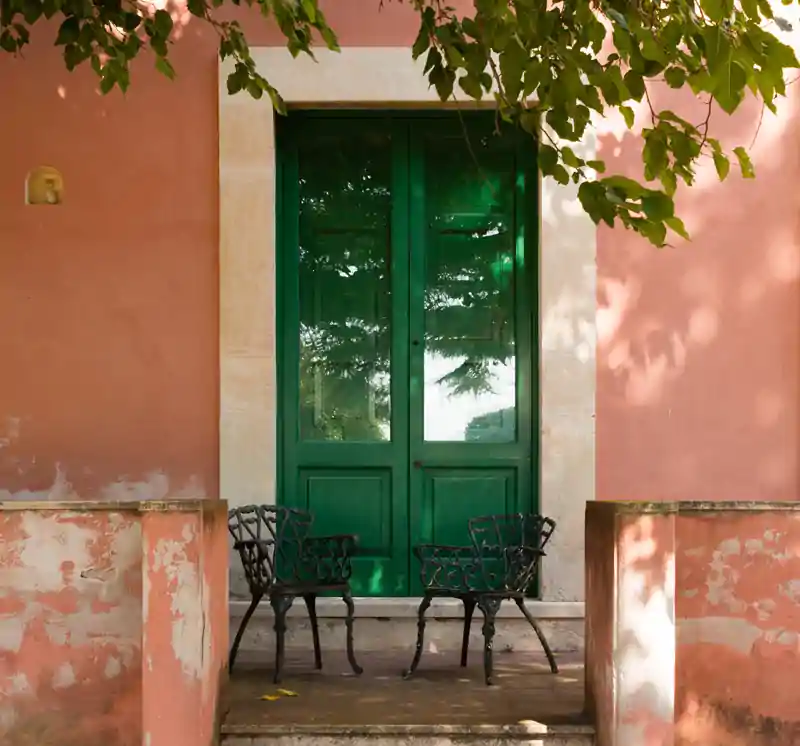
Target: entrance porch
{"x":442,"y":703}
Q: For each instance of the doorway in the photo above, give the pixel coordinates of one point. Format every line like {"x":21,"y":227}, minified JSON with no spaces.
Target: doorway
{"x":407,"y":348}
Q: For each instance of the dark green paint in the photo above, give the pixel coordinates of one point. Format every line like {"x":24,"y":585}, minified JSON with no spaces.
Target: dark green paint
{"x":396,"y":215}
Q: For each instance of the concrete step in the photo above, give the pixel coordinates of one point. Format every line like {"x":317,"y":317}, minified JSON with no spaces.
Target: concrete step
{"x":392,"y":623}
{"x":530,"y":734}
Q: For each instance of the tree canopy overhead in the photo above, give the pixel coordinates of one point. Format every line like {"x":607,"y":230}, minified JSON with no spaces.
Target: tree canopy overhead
{"x":551,"y":65}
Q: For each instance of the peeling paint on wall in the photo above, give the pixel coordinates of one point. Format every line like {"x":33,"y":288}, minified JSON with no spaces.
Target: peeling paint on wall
{"x":189,"y":603}
{"x":155,"y":485}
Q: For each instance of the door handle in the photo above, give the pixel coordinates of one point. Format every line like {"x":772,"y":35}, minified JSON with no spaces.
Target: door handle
{"x":417,"y":464}
{"x":415,"y":342}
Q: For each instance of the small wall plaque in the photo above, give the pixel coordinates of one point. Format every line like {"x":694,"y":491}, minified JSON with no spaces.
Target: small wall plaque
{"x":44,"y":186}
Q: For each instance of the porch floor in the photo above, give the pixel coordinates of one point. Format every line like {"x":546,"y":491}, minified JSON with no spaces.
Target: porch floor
{"x":440,"y":693}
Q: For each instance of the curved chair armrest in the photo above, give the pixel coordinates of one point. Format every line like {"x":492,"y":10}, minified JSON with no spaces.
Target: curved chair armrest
{"x":256,"y":557}
{"x":522,"y":564}
{"x":444,"y":551}
{"x":447,"y":569}
{"x":248,"y":545}
{"x":339,"y":545}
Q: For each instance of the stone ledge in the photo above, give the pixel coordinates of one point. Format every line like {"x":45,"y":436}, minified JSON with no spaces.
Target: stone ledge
{"x":519,"y":730}
{"x":165,"y":505}
{"x":695,"y":506}
{"x":406,"y":608}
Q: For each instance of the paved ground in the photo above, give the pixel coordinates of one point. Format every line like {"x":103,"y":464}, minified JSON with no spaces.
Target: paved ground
{"x":439,"y":693}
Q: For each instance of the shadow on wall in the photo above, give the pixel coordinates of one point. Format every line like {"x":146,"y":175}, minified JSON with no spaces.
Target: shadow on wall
{"x":698,"y":361}
{"x":707,"y":625}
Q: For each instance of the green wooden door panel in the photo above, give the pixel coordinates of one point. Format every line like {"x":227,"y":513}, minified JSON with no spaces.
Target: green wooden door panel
{"x":454,"y":495}
{"x":471,"y":430}
{"x":407,"y":275}
{"x":358,"y":501}
{"x":343,"y":341}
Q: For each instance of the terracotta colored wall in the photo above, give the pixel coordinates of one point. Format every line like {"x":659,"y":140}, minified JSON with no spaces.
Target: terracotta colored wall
{"x":698,"y":361}
{"x":70,"y":627}
{"x":105,"y":615}
{"x":704,"y":607}
{"x":109,"y":382}
{"x":738,"y":616}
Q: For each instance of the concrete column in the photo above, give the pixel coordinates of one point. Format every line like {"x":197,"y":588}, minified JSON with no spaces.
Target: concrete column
{"x":184,"y":623}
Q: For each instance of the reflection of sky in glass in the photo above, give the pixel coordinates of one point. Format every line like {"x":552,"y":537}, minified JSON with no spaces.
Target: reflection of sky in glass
{"x":448,"y":414}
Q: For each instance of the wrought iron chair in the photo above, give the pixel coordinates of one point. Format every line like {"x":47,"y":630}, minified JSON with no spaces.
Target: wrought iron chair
{"x":502,"y":563}
{"x":283,"y":561}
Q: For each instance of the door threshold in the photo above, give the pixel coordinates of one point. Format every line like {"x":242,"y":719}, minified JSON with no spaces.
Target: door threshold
{"x":406,"y":608}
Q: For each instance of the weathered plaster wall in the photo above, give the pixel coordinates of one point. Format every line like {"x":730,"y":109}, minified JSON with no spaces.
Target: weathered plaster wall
{"x":706,"y":624}
{"x":70,"y":628}
{"x":113,"y":623}
{"x":738,"y":612}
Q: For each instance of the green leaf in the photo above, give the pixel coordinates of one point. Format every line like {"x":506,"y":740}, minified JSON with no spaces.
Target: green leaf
{"x":163,"y":23}
{"x":421,"y":43}
{"x":68,"y":32}
{"x":676,"y":224}
{"x":745,"y":164}
{"x":623,"y":184}
{"x":729,"y":83}
{"x":675,"y":77}
{"x":548,"y":159}
{"x":635,"y":83}
{"x":471,"y":86}
{"x":628,"y":115}
{"x":569,"y":157}
{"x":164,"y":66}
{"x":750,"y":7}
{"x":107,"y":82}
{"x":717,"y":10}
{"x":598,"y":166}
{"x":722,"y":164}
{"x":561,"y":175}
{"x":658,"y":206}
{"x":310,"y":9}
{"x":197,"y":8}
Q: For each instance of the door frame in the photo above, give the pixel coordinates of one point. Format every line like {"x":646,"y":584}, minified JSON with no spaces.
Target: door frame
{"x":388,"y":77}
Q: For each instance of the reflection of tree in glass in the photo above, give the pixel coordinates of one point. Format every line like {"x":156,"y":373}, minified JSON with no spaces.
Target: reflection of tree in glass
{"x":469,"y":293}
{"x":345,"y":288}
{"x":493,"y":427}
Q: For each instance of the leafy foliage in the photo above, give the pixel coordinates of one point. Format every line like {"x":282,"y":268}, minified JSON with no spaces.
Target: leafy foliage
{"x":551,"y":66}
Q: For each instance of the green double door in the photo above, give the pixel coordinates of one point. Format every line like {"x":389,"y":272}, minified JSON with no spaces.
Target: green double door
{"x":407,"y":354}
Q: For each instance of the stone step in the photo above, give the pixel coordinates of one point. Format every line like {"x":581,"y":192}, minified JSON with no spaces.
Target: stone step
{"x":530,"y":734}
{"x":375,"y":633}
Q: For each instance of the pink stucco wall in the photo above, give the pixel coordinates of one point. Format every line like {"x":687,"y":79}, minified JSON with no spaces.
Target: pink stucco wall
{"x":698,"y":366}
{"x":704,"y":607}
{"x":107,"y":612}
{"x":109,"y":383}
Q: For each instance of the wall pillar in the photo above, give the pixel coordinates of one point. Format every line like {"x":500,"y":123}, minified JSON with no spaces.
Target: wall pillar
{"x":184,"y":625}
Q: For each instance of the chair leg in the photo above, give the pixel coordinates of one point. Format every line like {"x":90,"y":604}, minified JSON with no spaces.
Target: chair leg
{"x":240,"y":632}
{"x":311,"y":605}
{"x":280,"y":605}
{"x":489,"y":607}
{"x":538,"y":630}
{"x":347,"y":597}
{"x":423,"y":607}
{"x":469,"y":609}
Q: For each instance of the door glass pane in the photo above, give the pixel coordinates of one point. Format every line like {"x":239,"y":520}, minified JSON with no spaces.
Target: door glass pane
{"x":345,"y":287}
{"x":470,"y":365}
